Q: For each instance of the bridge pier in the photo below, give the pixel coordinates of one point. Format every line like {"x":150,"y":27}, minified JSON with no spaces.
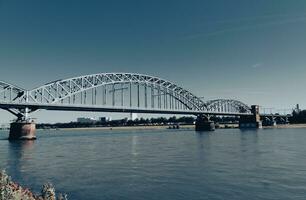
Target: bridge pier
{"x":251,"y":121}
{"x":23,"y":128}
{"x":203,"y":123}
{"x":282,"y":120}
{"x":269,"y":121}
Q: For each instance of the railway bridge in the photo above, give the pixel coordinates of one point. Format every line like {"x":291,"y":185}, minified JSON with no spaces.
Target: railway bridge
{"x":117,"y":92}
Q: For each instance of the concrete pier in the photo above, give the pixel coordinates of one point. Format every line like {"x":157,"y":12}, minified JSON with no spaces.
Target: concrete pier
{"x":253,"y":121}
{"x":22,"y":130}
{"x":204,"y":124}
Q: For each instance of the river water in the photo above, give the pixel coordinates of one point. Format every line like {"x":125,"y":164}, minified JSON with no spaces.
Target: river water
{"x":162,"y":164}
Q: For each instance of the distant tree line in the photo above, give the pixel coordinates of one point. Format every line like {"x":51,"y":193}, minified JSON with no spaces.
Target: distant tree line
{"x":136,"y":122}
{"x":298,"y":117}
{"x":121,"y":122}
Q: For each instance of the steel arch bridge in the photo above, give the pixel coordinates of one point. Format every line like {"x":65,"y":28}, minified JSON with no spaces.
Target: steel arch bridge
{"x":114,"y":92}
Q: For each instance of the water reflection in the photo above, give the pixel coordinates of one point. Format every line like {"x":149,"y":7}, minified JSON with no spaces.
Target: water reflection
{"x":249,"y":146}
{"x":134,"y":145}
{"x":248,"y":137}
{"x":19,"y":156}
{"x":225,"y":164}
{"x":203,"y":139}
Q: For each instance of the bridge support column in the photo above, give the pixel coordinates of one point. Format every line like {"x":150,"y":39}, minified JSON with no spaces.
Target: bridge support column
{"x":251,"y":121}
{"x":269,"y":121}
{"x":204,"y":124}
{"x":23,"y":128}
{"x":282,"y":120}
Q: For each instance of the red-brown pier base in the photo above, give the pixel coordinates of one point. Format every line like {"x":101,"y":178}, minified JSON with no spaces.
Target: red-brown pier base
{"x":22,"y":130}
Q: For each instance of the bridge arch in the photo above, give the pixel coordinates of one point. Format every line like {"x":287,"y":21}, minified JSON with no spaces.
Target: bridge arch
{"x":10,"y":92}
{"x":227,"y":105}
{"x":73,"y":89}
{"x":133,"y":90}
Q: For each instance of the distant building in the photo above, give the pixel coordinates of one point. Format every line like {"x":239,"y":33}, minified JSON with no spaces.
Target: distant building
{"x":91,"y":120}
{"x":133,"y":116}
{"x":4,"y":126}
{"x":105,"y":119}
{"x":85,"y":120}
{"x":297,"y":109}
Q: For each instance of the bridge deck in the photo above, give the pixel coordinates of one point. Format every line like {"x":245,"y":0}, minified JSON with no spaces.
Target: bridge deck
{"x":92,"y":108}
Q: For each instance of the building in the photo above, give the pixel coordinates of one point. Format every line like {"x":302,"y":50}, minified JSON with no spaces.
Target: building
{"x":86,"y":120}
{"x":133,"y":116}
{"x":105,"y":119}
{"x":4,"y":126}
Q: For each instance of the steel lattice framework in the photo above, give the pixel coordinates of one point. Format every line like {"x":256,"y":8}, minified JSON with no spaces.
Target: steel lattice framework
{"x":113,"y":90}
{"x":58,"y":91}
{"x":10,"y":92}
{"x":227,"y":105}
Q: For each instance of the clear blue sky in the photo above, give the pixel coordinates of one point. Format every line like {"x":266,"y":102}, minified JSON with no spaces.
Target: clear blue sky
{"x":250,"y":50}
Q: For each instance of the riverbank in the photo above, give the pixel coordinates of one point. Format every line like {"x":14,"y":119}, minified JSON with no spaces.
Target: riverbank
{"x":226,"y":126}
{"x":280,"y":126}
{"x":146,"y":127}
{"x":130,"y":128}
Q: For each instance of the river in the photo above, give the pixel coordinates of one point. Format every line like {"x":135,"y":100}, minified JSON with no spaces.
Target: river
{"x":162,"y":164}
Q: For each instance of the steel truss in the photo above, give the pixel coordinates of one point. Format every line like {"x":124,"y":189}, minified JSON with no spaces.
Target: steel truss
{"x":130,"y":89}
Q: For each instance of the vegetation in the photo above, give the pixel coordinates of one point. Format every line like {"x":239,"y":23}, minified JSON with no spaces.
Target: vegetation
{"x":13,"y":191}
{"x":298,"y":117}
{"x":137,"y":122}
{"x":122,"y":122}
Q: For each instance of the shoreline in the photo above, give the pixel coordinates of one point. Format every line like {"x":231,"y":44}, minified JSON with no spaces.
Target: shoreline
{"x":125,"y":128}
{"x":159,"y":127}
{"x":284,"y":126}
